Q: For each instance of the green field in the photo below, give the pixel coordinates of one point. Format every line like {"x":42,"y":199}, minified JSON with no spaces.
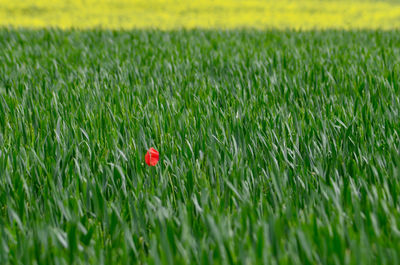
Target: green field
{"x":276,"y":147}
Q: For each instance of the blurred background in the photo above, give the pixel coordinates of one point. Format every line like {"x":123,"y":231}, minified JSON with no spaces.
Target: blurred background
{"x":172,"y":14}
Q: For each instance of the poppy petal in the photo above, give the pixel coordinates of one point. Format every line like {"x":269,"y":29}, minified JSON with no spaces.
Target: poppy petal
{"x":152,"y":156}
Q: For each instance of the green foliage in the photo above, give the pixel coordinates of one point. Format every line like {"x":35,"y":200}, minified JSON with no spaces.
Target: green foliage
{"x":275,"y":147}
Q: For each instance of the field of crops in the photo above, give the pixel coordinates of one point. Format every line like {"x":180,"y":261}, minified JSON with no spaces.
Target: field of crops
{"x":189,"y":14}
{"x":276,"y":147}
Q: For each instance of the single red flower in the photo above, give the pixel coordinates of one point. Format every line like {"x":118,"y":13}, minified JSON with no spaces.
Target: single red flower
{"x":151,"y":157}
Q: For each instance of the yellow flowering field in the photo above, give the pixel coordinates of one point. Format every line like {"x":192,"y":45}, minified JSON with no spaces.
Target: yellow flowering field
{"x":171,"y":14}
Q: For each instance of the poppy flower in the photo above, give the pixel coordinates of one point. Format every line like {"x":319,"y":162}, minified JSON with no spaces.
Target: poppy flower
{"x":151,"y":157}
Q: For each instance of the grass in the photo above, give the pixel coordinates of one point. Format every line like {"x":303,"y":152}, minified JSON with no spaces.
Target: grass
{"x":226,"y":14}
{"x":276,"y":147}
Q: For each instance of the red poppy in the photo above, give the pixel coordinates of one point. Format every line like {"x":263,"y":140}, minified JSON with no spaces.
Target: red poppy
{"x":151,"y":157}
